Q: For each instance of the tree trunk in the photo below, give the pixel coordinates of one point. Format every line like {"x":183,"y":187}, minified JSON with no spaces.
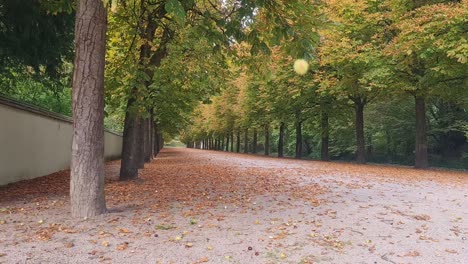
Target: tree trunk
{"x":132,"y":149}
{"x":156,"y":140}
{"x":238,"y":141}
{"x":281,"y":141}
{"x":227,"y":142}
{"x":360,"y":141}
{"x":267,"y":140}
{"x":147,"y":139}
{"x":151,"y":136}
{"x":254,"y":142}
{"x":232,"y":141}
{"x":298,"y":139}
{"x":161,"y":141}
{"x":87,"y":157}
{"x":421,"y":156}
{"x":141,"y":143}
{"x":246,"y":141}
{"x":324,"y":154}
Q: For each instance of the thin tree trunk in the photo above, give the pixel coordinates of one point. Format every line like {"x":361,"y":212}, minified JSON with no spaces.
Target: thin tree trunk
{"x":238,"y":141}
{"x":147,"y":140}
{"x":267,"y":140}
{"x":156,"y":139}
{"x":324,"y":154}
{"x":227,"y":142}
{"x":87,"y":158}
{"x":421,"y":156}
{"x":151,"y":136}
{"x":141,"y":143}
{"x":360,"y":141}
{"x":254,"y":142}
{"x":246,"y":141}
{"x":281,"y":140}
{"x":232,"y":141}
{"x":298,"y":139}
{"x":161,"y":141}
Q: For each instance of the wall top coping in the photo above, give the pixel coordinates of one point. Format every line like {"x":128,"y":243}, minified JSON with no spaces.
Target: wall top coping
{"x":13,"y":103}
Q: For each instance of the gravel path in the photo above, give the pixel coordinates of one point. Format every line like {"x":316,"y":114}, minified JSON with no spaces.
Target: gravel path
{"x":194,"y":206}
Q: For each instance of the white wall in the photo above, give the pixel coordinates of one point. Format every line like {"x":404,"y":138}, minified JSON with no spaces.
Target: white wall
{"x":35,"y":143}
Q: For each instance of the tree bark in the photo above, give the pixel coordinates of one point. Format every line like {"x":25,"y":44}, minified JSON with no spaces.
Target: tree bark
{"x":227,"y":142}
{"x":281,"y":141}
{"x":156,"y":140}
{"x":141,"y":143}
{"x":360,"y":141}
{"x":232,"y":141}
{"x":267,"y":140}
{"x":421,"y":156}
{"x":147,"y":139}
{"x":324,"y":154}
{"x":298,"y":139}
{"x":151,"y":136}
{"x":246,"y":141}
{"x":238,"y":141}
{"x":254,"y":142}
{"x":87,"y":163}
{"x":161,"y":141}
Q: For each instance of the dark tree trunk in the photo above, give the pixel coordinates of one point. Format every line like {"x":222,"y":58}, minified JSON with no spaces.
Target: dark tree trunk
{"x":246,"y":141}
{"x":223,"y":143}
{"x":421,"y":157}
{"x":360,"y":141}
{"x":147,"y":139}
{"x":161,"y":141}
{"x":281,"y":140}
{"x":254,"y":142}
{"x":267,"y":140}
{"x":238,"y":141}
{"x":129,"y":163}
{"x":324,"y":154}
{"x":141,"y":143}
{"x":227,"y":142}
{"x":156,"y":140}
{"x":216,"y":146}
{"x":133,"y":155}
{"x":298,"y":139}
{"x":232,"y":141}
{"x":151,"y":136}
{"x":87,"y":155}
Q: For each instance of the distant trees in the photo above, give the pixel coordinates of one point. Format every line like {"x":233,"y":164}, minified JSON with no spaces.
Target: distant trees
{"x":370,"y":56}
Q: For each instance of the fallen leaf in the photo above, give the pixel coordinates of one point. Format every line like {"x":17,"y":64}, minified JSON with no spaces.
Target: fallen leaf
{"x":122,"y":246}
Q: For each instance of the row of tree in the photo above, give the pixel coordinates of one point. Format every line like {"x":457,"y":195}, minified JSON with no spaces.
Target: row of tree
{"x":369,"y":56}
{"x":157,"y":60}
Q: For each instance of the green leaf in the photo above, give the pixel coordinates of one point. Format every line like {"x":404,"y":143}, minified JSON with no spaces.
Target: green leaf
{"x":175,"y":8}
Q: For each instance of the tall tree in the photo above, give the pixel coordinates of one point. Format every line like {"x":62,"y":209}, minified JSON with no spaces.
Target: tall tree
{"x":87,"y":165}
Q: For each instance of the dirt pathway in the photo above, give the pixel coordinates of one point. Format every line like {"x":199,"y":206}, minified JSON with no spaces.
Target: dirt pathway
{"x":193,"y":206}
